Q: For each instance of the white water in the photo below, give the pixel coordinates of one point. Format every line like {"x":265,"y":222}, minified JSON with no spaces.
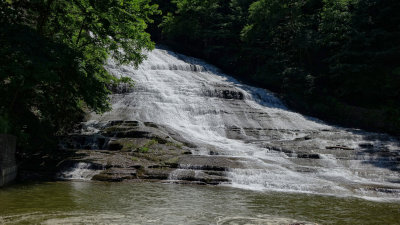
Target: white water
{"x":186,"y":95}
{"x":80,"y":171}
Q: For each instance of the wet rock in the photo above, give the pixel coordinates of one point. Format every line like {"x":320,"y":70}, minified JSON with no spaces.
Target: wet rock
{"x":144,"y":152}
{"x":218,"y":163}
{"x":158,"y":173}
{"x":308,"y":156}
{"x":160,"y":139}
{"x":133,"y":134}
{"x":77,"y":141}
{"x":116,"y":175}
{"x":114,"y":145}
{"x":366,"y":145}
{"x":150,"y":124}
{"x":199,"y":176}
{"x":342,"y":147}
{"x":215,"y":173}
{"x":116,"y":122}
{"x":225,"y":93}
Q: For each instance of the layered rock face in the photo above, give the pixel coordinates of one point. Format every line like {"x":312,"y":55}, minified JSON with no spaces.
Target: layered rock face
{"x":127,"y":150}
{"x":184,"y":120}
{"x":8,"y":166}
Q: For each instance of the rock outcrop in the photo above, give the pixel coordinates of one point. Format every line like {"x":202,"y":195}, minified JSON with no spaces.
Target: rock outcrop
{"x":131,"y":150}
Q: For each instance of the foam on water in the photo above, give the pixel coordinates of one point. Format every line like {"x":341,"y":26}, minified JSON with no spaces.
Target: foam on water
{"x":207,"y":107}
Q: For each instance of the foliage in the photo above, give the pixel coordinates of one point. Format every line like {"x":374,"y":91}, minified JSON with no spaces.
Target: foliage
{"x":207,"y":28}
{"x":53,"y":56}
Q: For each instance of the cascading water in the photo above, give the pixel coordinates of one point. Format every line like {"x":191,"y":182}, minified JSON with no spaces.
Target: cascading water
{"x":280,"y":150}
{"x":79,"y":171}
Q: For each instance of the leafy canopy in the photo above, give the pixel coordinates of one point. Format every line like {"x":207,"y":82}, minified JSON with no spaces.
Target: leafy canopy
{"x":53,"y":56}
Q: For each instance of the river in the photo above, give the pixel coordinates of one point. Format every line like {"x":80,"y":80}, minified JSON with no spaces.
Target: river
{"x":78,"y":202}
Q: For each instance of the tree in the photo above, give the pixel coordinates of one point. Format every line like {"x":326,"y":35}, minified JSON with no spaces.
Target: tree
{"x":53,"y":56}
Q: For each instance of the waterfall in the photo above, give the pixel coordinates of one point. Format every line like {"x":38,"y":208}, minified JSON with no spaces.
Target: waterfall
{"x":79,"y":171}
{"x":281,"y":150}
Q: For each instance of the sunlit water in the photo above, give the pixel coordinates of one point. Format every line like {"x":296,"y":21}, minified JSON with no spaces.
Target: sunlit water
{"x":156,"y":203}
{"x":219,"y":114}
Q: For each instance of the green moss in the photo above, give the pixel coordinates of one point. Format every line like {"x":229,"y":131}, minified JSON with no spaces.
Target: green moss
{"x":146,"y":147}
{"x":143,"y":149}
